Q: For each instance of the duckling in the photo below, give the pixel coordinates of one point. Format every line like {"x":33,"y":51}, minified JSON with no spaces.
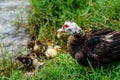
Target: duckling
{"x":30,"y":44}
{"x":52,"y":51}
{"x":38,"y":45}
{"x":34,"y":45}
{"x":39,"y":48}
{"x":59,"y":34}
{"x":36,"y":64}
{"x":49,"y":44}
{"x":30,"y":60}
{"x":26,"y":60}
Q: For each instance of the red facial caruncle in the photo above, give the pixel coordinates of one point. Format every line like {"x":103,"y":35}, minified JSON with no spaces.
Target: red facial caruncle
{"x":65,"y":26}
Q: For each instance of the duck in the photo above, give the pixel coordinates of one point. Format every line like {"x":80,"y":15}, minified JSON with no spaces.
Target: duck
{"x":52,"y":50}
{"x":99,"y":47}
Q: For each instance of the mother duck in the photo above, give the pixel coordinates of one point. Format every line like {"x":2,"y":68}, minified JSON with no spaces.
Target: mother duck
{"x":98,"y":46}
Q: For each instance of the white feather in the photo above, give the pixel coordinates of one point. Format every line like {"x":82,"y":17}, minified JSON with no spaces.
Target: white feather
{"x":108,"y":38}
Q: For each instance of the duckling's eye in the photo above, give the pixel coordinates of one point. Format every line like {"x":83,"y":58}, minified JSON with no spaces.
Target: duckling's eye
{"x":65,"y":26}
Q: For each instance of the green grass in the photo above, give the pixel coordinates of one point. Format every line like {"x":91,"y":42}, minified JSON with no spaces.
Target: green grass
{"x":64,"y":67}
{"x":49,"y":15}
{"x":45,"y":17}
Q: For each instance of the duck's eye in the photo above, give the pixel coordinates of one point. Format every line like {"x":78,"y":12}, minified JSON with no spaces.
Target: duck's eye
{"x":69,"y":30}
{"x":65,"y":26}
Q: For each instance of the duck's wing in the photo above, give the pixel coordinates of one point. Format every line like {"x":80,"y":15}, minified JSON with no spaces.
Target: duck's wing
{"x":109,"y":47}
{"x":93,"y":37}
{"x":101,"y":32}
{"x":97,"y":32}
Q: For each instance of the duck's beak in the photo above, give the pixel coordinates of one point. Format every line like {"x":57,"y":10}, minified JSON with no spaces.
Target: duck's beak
{"x":60,"y":32}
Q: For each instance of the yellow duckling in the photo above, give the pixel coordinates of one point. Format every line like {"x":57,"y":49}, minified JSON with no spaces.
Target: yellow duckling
{"x":60,"y":34}
{"x":50,"y":44}
{"x":34,"y":45}
{"x":36,"y":63}
{"x":37,"y":46}
{"x":52,"y":52}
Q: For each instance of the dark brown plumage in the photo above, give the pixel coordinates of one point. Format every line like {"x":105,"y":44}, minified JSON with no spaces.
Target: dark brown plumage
{"x":25,"y":60}
{"x":98,"y":46}
{"x":30,"y":60}
{"x":99,"y":53}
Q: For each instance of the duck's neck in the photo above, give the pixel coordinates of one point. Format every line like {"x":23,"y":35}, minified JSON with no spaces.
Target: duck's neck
{"x":75,"y":43}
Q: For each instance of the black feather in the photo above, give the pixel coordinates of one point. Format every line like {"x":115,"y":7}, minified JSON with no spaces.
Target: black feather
{"x":93,"y":41}
{"x":25,"y":60}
